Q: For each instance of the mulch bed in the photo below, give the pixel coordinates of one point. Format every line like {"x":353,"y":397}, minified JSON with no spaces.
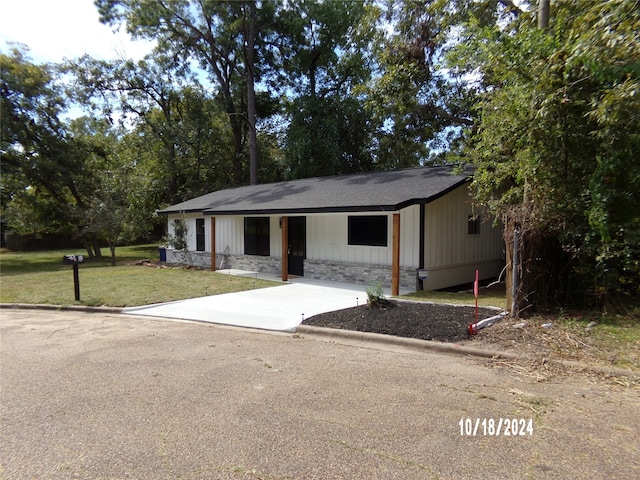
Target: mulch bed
{"x":425,"y":321}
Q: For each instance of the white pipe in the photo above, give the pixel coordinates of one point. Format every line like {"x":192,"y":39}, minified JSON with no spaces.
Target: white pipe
{"x":487,"y":322}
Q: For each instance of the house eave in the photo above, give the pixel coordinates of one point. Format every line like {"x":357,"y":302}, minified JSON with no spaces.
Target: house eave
{"x":299,"y":211}
{"x":179,"y":212}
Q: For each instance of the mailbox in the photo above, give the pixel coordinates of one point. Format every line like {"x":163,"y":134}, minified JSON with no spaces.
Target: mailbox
{"x":72,"y":259}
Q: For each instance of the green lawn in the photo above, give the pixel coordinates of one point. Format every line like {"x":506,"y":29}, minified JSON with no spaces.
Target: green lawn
{"x":492,"y":297}
{"x":40,"y":277}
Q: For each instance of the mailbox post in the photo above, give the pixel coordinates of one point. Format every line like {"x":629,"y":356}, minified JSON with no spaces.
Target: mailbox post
{"x":74,"y":260}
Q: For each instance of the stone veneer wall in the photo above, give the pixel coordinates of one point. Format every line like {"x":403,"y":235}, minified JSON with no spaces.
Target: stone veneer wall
{"x":315,"y":269}
{"x":358,"y":273}
{"x":224,"y":261}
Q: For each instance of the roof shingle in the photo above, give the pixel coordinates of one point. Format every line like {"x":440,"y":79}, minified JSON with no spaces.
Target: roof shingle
{"x":374,"y":191}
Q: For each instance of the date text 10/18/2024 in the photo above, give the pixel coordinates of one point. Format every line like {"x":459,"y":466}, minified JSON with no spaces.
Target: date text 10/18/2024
{"x":507,"y":427}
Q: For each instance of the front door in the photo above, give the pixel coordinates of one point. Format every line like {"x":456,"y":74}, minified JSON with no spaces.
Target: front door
{"x":297,"y":245}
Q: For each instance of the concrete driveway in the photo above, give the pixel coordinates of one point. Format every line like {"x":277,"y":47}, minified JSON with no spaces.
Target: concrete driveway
{"x":277,"y":308}
{"x":107,"y":396}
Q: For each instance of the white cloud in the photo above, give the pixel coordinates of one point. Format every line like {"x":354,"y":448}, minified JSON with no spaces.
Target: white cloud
{"x":57,"y":29}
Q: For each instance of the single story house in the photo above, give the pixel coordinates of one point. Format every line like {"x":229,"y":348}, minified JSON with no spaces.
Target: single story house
{"x":413,"y":228}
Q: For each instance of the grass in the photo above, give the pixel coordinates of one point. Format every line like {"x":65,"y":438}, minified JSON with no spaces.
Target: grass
{"x":615,"y":339}
{"x":487,"y":297}
{"x":41,"y":278}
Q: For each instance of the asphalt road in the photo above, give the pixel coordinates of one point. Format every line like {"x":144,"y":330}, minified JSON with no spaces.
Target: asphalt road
{"x":105,"y":396}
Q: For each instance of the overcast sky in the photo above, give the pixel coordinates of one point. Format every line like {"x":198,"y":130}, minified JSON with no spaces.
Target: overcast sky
{"x":57,"y":29}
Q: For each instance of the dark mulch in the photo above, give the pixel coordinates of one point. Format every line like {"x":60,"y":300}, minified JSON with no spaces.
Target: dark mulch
{"x":426,"y":321}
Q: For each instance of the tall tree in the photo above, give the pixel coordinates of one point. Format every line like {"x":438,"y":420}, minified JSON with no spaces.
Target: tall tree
{"x":322,"y":48}
{"x":33,"y":136}
{"x":556,"y":141}
{"x":220,"y":35}
{"x":249,"y":33}
{"x":420,"y":108}
{"x":41,"y":161}
{"x":179,"y":120}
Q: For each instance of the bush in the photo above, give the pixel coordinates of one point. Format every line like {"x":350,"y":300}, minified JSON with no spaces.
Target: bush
{"x":375,"y":295}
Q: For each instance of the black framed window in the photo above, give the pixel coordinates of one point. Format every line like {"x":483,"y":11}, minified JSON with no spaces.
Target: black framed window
{"x":200,"y":234}
{"x":473,"y":225}
{"x":256,"y":236}
{"x":370,"y":230}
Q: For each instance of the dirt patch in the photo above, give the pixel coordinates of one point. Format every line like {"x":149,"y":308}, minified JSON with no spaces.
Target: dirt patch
{"x":579,"y":341}
{"x":527,"y":338}
{"x":424,"y":321}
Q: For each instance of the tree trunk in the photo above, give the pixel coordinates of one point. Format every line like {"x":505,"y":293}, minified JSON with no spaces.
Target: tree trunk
{"x":249,"y":34}
{"x":96,"y":247}
{"x":508,"y":278}
{"x":87,"y":247}
{"x":112,"y":248}
{"x":236,"y":129}
{"x":543,"y":13}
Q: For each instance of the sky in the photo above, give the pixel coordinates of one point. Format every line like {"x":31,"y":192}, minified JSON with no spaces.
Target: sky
{"x":58,"y":29}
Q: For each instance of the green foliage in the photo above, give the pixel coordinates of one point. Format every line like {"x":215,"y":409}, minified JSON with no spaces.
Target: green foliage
{"x":34,"y":149}
{"x":327,"y":136}
{"x":179,"y":238}
{"x":556,"y":142}
{"x":419,"y":109}
{"x":375,"y":295}
{"x":324,"y":62}
{"x":221,"y":37}
{"x":180,"y":137}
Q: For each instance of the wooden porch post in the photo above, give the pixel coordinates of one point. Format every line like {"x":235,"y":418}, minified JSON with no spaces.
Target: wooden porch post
{"x":284,"y":225}
{"x":395,"y":261}
{"x":213,"y":244}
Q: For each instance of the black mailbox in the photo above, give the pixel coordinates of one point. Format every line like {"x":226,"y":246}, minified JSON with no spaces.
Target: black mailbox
{"x":72,"y":259}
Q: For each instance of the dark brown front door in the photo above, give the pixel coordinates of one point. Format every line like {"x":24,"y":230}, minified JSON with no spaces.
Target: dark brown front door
{"x":297,"y":245}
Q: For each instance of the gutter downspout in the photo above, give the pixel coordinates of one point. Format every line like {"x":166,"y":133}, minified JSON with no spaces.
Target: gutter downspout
{"x":421,"y":245}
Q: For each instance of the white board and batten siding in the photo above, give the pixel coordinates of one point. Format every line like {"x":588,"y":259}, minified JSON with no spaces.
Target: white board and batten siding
{"x":190,"y":219}
{"x":229,"y":232}
{"x":452,"y":254}
{"x":326,"y":237}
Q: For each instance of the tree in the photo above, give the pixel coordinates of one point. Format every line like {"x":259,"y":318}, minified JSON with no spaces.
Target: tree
{"x":327,"y":136}
{"x":322,"y":50}
{"x":32,"y":138}
{"x":221,"y":36}
{"x":42,"y":164}
{"x":249,"y":34}
{"x":555,"y":143}
{"x":420,"y":109}
{"x":115,"y":209}
{"x":180,"y":125}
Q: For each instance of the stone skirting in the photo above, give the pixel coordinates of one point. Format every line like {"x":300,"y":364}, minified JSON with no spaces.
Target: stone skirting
{"x":358,"y":273}
{"x":315,"y":269}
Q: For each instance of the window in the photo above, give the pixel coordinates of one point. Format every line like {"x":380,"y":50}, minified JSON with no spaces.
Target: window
{"x":368,"y":230}
{"x":473,"y":225}
{"x":256,"y":236}
{"x":200,"y":234}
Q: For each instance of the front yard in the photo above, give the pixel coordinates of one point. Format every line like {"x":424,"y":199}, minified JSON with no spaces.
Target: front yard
{"x":41,"y":278}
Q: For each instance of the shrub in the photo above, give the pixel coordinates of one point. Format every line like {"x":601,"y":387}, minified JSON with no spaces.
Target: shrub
{"x":375,"y":295}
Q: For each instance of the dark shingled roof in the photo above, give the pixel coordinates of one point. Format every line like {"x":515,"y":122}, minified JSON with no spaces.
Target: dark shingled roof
{"x":374,"y":191}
